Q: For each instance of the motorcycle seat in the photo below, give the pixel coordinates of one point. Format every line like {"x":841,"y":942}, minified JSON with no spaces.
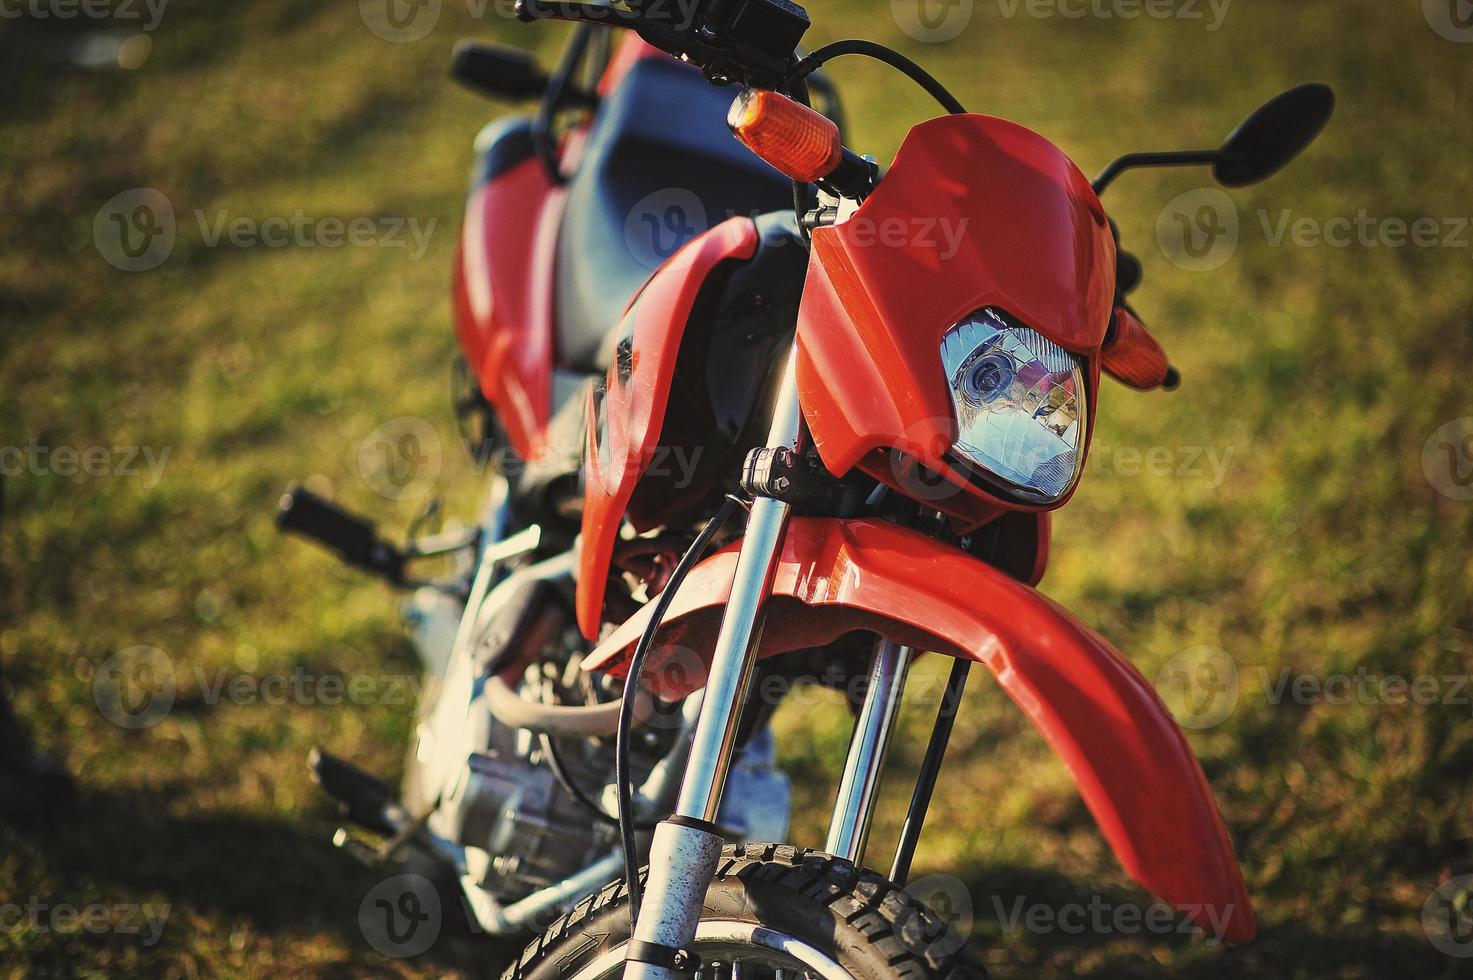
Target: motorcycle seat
{"x":659,"y":168}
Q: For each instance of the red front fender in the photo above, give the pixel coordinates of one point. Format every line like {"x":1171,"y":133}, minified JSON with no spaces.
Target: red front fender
{"x":1129,"y":758}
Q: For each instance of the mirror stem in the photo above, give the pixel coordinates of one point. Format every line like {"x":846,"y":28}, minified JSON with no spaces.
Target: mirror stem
{"x":1182,"y":158}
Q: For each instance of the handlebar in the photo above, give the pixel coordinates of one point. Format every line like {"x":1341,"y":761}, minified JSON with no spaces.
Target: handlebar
{"x":747,"y":41}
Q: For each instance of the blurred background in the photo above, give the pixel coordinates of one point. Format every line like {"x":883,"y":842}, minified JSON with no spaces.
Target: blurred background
{"x":1281,"y":545}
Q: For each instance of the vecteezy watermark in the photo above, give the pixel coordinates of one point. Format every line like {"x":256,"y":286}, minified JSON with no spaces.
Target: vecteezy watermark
{"x":400,"y":21}
{"x":95,"y":918}
{"x":146,"y":13}
{"x":1201,"y":229}
{"x":932,"y":21}
{"x":664,"y":220}
{"x":97,"y":461}
{"x":1198,"y":230}
{"x":1447,"y":459}
{"x":938,"y":21}
{"x":661,"y":222}
{"x":1451,"y":19}
{"x":404,"y":21}
{"x":401,"y":459}
{"x":1208,"y":463}
{"x":1364,"y":687}
{"x":400,"y":916}
{"x":301,"y":230}
{"x":137,"y":230}
{"x":304,"y":688}
{"x":1102,"y":917}
{"x":1199,"y":686}
{"x":135,"y":687}
{"x":950,"y":900}
{"x":943,"y":235}
{"x":1363,"y":230}
{"x":1211,"y":12}
{"x":1204,"y":685}
{"x":1447,"y":917}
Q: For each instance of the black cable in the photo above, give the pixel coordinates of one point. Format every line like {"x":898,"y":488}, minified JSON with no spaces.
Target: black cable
{"x":622,"y":780}
{"x":543,"y":138}
{"x":580,"y":796}
{"x":879,"y":52}
{"x":798,"y":91}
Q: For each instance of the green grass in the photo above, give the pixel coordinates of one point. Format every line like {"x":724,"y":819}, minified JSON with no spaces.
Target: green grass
{"x":1318,"y":373}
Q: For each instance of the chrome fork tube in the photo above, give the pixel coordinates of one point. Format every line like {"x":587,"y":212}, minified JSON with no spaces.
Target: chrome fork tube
{"x":732,"y":664}
{"x":685,"y":849}
{"x":741,"y":626}
{"x":854,"y":807}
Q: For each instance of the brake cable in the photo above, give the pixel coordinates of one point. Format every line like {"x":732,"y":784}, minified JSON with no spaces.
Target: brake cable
{"x":622,"y":779}
{"x":879,"y":52}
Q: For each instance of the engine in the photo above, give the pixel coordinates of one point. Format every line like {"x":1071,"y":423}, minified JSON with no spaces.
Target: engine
{"x":527,"y":808}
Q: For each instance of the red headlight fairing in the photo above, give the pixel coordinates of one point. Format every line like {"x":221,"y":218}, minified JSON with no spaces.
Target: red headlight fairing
{"x":975,"y":212}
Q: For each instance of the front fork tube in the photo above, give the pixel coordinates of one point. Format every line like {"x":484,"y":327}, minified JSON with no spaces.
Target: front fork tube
{"x":854,"y":807}
{"x":685,"y":848}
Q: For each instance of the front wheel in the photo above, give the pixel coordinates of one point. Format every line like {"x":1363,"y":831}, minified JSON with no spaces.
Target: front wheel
{"x":773,"y":912}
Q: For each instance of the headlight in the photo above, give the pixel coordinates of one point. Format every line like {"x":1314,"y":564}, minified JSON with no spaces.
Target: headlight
{"x":1020,"y":405}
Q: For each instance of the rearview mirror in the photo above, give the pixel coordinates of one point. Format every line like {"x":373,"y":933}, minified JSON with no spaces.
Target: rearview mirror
{"x":1275,"y":134}
{"x":1264,"y":142}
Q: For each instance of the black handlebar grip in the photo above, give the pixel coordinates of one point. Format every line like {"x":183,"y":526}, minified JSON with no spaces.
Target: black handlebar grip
{"x":351,"y":538}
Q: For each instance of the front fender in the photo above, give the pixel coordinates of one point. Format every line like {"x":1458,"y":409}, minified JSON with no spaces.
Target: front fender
{"x":1128,"y":757}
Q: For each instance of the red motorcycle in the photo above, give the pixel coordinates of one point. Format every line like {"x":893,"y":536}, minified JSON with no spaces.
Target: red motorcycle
{"x":892,"y":372}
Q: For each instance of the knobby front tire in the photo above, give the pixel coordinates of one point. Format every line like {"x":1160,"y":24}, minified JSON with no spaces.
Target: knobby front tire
{"x":767,"y":898}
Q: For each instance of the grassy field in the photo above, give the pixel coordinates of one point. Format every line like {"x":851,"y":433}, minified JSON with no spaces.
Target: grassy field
{"x":1296,"y":510}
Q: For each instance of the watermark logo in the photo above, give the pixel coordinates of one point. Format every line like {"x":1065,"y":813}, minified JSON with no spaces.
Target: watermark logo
{"x":134,"y":688}
{"x":150,"y":12}
{"x":1102,"y":917}
{"x":1363,"y":230}
{"x":301,"y":230}
{"x":1447,"y":917}
{"x":95,"y":461}
{"x":401,"y":458}
{"x":97,"y":919}
{"x":1203,"y":686}
{"x":1451,"y":19}
{"x":1198,"y":230}
{"x":932,"y":21}
{"x":1447,"y":459}
{"x":1213,"y":12}
{"x":1209,"y":464}
{"x":1200,"y":686}
{"x":400,"y":21}
{"x":661,"y":222}
{"x":951,"y":901}
{"x":134,"y":231}
{"x":942,"y":235}
{"x":400,"y":916}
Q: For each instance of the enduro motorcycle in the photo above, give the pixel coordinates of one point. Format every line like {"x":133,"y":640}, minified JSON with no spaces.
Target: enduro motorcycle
{"x":890,"y":373}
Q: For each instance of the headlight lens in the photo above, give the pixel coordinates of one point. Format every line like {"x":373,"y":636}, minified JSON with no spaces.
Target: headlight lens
{"x":1020,"y":405}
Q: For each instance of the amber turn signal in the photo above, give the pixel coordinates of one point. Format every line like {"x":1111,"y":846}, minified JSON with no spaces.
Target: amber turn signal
{"x":792,"y":137}
{"x":1133,"y":357}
